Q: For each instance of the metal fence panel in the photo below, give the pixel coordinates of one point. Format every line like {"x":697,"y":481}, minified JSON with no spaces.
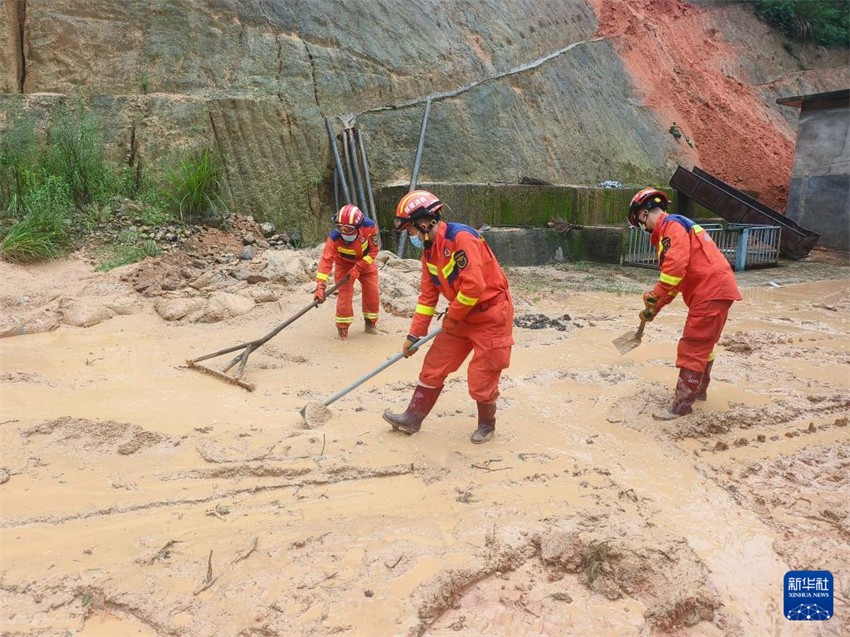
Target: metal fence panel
{"x":744,"y":246}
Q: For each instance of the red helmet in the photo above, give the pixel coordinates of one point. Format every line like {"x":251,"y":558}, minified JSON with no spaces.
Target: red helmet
{"x":646,"y":199}
{"x":349,"y":215}
{"x":348,"y":219}
{"x":416,"y":204}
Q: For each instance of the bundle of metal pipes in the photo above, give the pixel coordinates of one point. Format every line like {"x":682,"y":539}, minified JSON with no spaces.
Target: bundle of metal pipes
{"x":352,"y":167}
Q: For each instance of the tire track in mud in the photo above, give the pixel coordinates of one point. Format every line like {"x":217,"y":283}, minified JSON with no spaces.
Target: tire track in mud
{"x":343,"y":474}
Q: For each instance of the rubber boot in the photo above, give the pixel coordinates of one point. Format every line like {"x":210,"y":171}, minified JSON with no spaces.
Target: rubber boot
{"x":686,"y":393}
{"x":486,"y":423}
{"x":420,"y":406}
{"x":342,"y":332}
{"x":371,"y":326}
{"x":706,"y":379}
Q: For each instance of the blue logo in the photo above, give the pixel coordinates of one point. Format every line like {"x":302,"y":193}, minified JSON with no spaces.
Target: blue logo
{"x":808,"y":595}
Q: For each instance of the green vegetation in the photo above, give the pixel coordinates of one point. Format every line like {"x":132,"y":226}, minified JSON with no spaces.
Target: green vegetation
{"x":43,"y":231}
{"x":125,"y":253}
{"x":195,"y":187}
{"x":75,"y":153}
{"x":56,"y":185}
{"x":825,"y":22}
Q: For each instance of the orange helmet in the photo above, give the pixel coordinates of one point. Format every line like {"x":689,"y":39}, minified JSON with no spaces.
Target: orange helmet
{"x":416,"y":204}
{"x":646,"y":199}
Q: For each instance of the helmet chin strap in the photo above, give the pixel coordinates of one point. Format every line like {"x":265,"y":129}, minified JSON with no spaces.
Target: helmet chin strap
{"x":426,"y":236}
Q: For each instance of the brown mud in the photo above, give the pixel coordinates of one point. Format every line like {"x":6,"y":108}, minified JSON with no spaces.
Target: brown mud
{"x":139,"y":497}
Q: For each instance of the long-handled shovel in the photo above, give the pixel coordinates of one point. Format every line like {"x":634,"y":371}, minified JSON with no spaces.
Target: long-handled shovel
{"x":252,"y":346}
{"x":628,"y":341}
{"x":315,"y":414}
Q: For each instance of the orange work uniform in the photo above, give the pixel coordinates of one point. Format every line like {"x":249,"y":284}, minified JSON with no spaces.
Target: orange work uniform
{"x":692,"y":264}
{"x":460,"y":266}
{"x":358,"y":259}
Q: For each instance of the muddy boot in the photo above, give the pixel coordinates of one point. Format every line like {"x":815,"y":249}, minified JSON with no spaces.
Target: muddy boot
{"x":343,"y":333}
{"x":706,"y":379}
{"x":486,"y":423}
{"x":420,"y":406}
{"x":686,"y":393}
{"x":371,"y":326}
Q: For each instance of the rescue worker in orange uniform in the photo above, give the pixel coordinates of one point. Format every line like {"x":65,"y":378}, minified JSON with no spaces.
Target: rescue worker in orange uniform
{"x":690,"y":263}
{"x":457,"y":263}
{"x":351,"y":248}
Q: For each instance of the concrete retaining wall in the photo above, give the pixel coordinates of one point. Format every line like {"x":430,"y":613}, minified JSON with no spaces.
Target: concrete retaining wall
{"x":518,"y":215}
{"x":539,"y":246}
{"x":520,"y":205}
{"x":820,"y":180}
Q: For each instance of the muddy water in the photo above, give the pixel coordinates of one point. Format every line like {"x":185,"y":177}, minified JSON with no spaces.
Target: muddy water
{"x":327,"y":529}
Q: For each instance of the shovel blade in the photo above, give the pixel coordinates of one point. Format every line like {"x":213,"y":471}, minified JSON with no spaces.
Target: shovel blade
{"x":627,"y":342}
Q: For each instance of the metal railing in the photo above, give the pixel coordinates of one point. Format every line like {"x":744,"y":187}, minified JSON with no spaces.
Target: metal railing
{"x":744,"y":246}
{"x":758,"y":246}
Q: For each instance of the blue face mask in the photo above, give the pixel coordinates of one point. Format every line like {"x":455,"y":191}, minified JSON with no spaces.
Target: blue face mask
{"x":348,"y":238}
{"x":416,"y":241}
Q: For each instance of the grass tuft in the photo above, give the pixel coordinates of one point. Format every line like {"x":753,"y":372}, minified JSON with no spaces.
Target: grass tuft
{"x":43,"y":231}
{"x":128,"y":253}
{"x":196,"y":188}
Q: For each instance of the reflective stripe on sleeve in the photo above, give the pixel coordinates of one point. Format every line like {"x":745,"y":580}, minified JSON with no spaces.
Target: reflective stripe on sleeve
{"x":425,"y":310}
{"x":466,"y":300}
{"x":321,"y":276}
{"x":671,"y":280}
{"x":432,"y":268}
{"x":368,"y":259}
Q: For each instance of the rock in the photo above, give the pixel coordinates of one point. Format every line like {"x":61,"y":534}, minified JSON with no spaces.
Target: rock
{"x":267,"y":229}
{"x":170,"y":236}
{"x":4,"y":476}
{"x":241,"y":274}
{"x":247,"y":254}
{"x":256,"y":278}
{"x":176,"y":309}
{"x":81,"y":314}
{"x":189,"y":274}
{"x":124,"y":305}
{"x":212,"y":281}
{"x":223,"y":305}
{"x":260,"y":295}
{"x":170,"y":284}
{"x":286,"y":267}
{"x":248,"y":239}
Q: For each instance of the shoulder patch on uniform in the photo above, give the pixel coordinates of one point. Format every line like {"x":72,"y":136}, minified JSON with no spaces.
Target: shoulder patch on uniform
{"x":376,"y":240}
{"x":665,"y":244}
{"x":461,"y":259}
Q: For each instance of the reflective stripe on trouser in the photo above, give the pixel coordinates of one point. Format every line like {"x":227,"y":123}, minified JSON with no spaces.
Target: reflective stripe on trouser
{"x":345,"y":295}
{"x":488,"y":335}
{"x":703,"y":328}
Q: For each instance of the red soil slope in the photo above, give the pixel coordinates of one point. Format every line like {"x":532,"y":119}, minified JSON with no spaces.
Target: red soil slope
{"x":679,"y":62}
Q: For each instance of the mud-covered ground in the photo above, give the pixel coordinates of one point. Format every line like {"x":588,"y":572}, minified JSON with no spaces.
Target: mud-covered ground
{"x":142,"y":498}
